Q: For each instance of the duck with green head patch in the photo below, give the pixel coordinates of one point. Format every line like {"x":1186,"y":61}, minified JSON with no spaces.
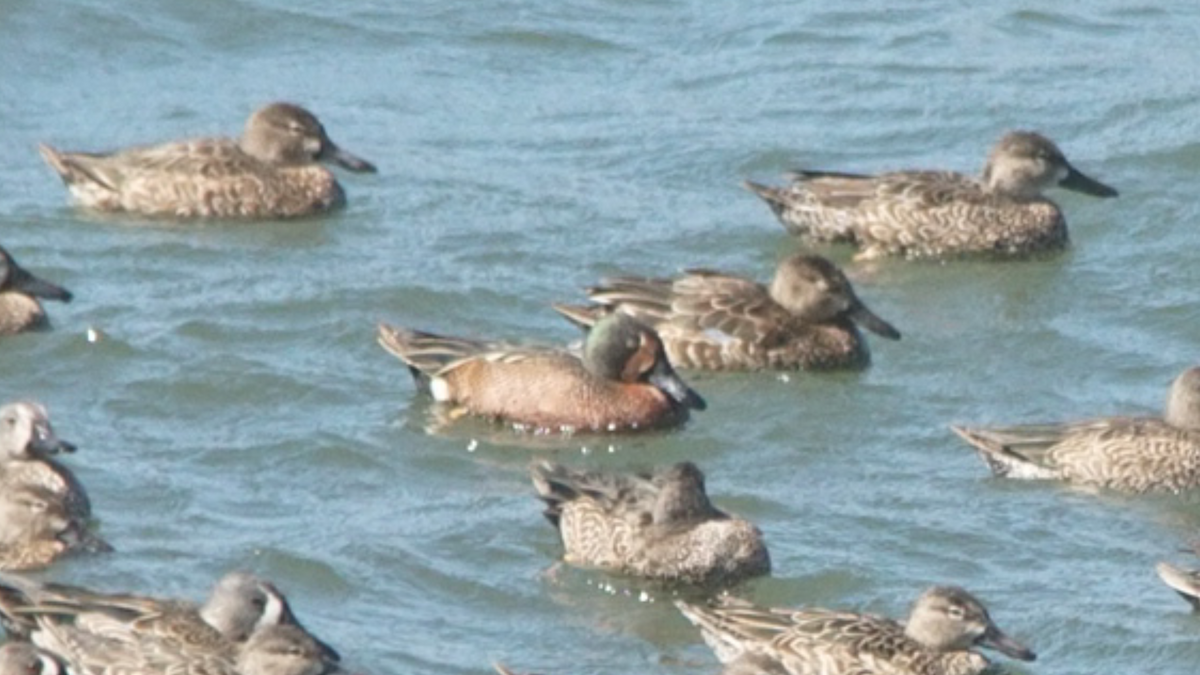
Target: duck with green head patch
{"x":622,"y":382}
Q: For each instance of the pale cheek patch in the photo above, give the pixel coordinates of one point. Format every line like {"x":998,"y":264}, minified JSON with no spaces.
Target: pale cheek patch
{"x":440,"y":389}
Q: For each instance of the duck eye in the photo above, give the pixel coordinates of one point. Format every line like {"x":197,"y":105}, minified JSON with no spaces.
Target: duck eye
{"x":955,"y":612}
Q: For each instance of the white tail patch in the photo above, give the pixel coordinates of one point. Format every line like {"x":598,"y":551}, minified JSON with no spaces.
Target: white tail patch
{"x":440,"y":389}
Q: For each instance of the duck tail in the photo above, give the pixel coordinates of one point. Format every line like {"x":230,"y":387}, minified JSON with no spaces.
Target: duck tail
{"x":73,"y":168}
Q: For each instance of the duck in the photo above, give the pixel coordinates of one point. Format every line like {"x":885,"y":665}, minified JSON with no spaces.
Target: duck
{"x":656,"y":525}
{"x":20,"y":310}
{"x":708,"y":320}
{"x":622,"y":382}
{"x":35,"y":530}
{"x":939,"y":214}
{"x":27,"y":446}
{"x":1126,"y":454}
{"x":273,"y":171}
{"x":97,"y":632}
{"x":945,"y":625}
{"x":284,"y":649}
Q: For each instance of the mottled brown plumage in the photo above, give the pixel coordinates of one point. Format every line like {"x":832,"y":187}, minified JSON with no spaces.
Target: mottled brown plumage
{"x":622,"y":382}
{"x":939,"y":213}
{"x":35,"y":529}
{"x":121,"y":634}
{"x":944,"y":625}
{"x":19,"y":292}
{"x":1131,"y":454}
{"x":27,"y":443}
{"x":658,"y":525}
{"x":272,"y":171}
{"x":710,"y":320}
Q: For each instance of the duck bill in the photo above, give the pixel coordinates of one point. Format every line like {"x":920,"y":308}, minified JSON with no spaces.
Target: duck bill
{"x":869,"y":320}
{"x":346,"y":160}
{"x":78,"y":538}
{"x":664,"y":377}
{"x":31,"y":285}
{"x":997,"y":640}
{"x":46,"y":442}
{"x":1077,"y":181}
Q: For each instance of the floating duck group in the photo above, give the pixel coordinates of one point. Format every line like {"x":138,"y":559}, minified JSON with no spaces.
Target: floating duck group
{"x":640,"y":332}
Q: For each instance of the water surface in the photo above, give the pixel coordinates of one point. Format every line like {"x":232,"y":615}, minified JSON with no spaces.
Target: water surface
{"x":238,"y":413}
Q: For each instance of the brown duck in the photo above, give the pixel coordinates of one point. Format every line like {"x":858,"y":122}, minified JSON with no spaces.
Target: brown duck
{"x":939,"y":213}
{"x":659,"y":525}
{"x":805,"y":319}
{"x":623,"y":380}
{"x":272,"y":171}
{"x":945,"y":624}
{"x":19,"y":292}
{"x":1131,"y":454}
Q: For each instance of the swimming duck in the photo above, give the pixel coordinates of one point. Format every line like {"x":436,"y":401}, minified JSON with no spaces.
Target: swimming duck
{"x":658,"y":525}
{"x":272,"y":171}
{"x":939,"y":213}
{"x":19,"y":290}
{"x":714,"y":321}
{"x":622,"y":382}
{"x":27,"y":442}
{"x":36,"y":530}
{"x":1131,"y":454}
{"x":944,"y":625}
{"x":284,"y":650}
{"x":107,"y":633}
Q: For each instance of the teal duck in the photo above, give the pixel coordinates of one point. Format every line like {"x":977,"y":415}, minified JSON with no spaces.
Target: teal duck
{"x":659,"y":525}
{"x":939,"y":213}
{"x":27,"y":443}
{"x":36,"y":530}
{"x":1130,"y":454}
{"x":107,"y":634}
{"x":19,"y":290}
{"x":946,"y":622}
{"x":622,"y":382}
{"x":272,"y":171}
{"x":710,"y":320}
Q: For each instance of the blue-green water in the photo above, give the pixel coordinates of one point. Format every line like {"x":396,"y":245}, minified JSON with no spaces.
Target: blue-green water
{"x":238,"y":412}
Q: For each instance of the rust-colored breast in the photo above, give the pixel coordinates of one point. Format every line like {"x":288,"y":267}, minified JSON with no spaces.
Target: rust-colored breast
{"x":556,"y":392}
